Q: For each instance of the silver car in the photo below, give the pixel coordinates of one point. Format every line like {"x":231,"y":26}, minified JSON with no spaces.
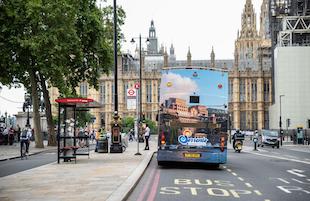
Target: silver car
{"x":269,"y":137}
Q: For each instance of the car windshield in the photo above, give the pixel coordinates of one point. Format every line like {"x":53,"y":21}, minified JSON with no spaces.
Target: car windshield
{"x":271,"y":133}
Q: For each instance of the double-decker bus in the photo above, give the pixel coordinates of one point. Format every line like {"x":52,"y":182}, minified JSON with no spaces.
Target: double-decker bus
{"x":189,"y":131}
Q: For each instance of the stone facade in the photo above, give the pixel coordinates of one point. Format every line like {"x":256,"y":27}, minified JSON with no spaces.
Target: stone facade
{"x":250,"y":80}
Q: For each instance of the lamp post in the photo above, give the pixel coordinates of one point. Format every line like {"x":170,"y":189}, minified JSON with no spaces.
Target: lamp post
{"x":280,"y":120}
{"x":140,"y":83}
{"x":27,"y":105}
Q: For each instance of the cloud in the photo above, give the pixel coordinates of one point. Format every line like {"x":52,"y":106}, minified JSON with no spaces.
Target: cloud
{"x":181,"y":87}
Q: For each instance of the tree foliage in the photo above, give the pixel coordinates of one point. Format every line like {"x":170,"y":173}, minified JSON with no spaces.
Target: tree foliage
{"x":62,"y":42}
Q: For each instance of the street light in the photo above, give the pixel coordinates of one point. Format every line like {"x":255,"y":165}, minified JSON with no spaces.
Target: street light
{"x":27,"y":105}
{"x":140,"y":82}
{"x":280,"y":120}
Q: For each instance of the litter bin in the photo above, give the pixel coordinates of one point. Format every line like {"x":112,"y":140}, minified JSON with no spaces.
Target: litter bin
{"x":102,"y":144}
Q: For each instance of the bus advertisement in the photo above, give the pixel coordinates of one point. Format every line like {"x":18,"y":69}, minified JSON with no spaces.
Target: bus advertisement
{"x":193,"y":117}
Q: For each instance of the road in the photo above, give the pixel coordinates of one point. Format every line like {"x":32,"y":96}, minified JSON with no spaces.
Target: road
{"x":14,"y":166}
{"x":251,"y":175}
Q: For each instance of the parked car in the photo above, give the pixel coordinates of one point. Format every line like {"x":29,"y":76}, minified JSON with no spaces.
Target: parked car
{"x":268,"y":137}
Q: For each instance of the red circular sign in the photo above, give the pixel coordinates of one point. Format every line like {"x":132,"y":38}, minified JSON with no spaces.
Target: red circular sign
{"x":137,"y":85}
{"x":220,"y":86}
{"x":131,"y":92}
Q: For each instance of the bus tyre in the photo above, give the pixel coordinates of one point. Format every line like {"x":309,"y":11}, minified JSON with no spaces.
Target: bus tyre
{"x":160,"y":163}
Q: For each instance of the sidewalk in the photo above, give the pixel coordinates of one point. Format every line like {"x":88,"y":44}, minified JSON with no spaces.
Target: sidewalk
{"x":13,"y":151}
{"x":102,"y":177}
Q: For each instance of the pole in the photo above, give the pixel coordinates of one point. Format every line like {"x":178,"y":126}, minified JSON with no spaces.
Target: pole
{"x":280,"y":122}
{"x":136,"y":127}
{"x":115,"y":58}
{"x":28,"y":123}
{"x":140,"y":76}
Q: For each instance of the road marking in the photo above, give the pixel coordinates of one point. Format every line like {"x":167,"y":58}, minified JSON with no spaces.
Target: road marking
{"x":278,"y":157}
{"x":289,"y":189}
{"x":296,"y":172}
{"x":154,"y":187}
{"x":257,"y":192}
{"x":248,"y":185}
{"x":234,"y":174}
{"x":240,"y":178}
{"x":146,"y":187}
{"x":267,"y":200}
{"x":229,"y":170}
{"x":224,"y":167}
{"x":301,"y":182}
{"x":283,"y":180}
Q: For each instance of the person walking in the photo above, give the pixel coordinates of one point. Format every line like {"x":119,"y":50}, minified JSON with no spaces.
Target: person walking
{"x":25,"y":139}
{"x":147,"y":136}
{"x":98,"y":133}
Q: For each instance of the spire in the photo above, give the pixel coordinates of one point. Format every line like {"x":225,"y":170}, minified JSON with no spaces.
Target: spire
{"x":189,"y":57}
{"x":264,"y":31}
{"x":165,"y":58}
{"x":212,"y":58}
{"x":172,"y":57}
{"x":152,"y":47}
{"x":248,"y":21}
{"x":171,"y":49}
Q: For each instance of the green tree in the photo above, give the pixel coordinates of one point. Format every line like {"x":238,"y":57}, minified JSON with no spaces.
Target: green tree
{"x":152,"y":125}
{"x":57,"y":42}
{"x":127,"y":124}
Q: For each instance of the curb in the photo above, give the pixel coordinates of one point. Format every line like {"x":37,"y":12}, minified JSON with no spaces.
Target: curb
{"x":125,"y":189}
{"x":15,"y":157}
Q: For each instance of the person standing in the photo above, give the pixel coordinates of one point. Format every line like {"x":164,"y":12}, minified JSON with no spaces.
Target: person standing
{"x":25,"y":139}
{"x":18,"y":131}
{"x":147,"y":136}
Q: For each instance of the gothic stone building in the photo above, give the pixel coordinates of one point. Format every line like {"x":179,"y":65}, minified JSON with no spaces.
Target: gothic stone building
{"x":250,"y":79}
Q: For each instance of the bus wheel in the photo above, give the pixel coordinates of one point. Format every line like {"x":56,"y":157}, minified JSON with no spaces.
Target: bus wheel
{"x":160,"y":163}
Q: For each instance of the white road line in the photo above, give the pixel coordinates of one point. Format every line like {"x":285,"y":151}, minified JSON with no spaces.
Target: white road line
{"x":229,"y":170}
{"x":224,"y":167}
{"x":289,"y":156}
{"x":233,"y":173}
{"x":241,"y":179}
{"x":266,"y":200}
{"x":278,"y":157}
{"x":257,"y":192}
{"x":248,"y":185}
{"x":296,"y":172}
{"x":283,"y":180}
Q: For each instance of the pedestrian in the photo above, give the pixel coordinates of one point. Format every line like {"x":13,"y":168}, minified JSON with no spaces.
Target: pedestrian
{"x":18,"y":131}
{"x":98,"y":133}
{"x":11,"y":136}
{"x":25,"y":139}
{"x":6,"y":136}
{"x":147,"y":136}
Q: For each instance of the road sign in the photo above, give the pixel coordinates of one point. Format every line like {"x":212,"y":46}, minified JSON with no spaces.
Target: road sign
{"x":131,"y":93}
{"x":137,"y":85}
{"x":131,"y":104}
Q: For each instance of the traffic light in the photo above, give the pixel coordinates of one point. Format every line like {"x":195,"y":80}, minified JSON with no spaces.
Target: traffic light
{"x":288,"y":122}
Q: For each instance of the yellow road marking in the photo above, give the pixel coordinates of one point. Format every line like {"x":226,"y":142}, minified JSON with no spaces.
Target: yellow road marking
{"x":248,"y":185}
{"x":241,"y":179}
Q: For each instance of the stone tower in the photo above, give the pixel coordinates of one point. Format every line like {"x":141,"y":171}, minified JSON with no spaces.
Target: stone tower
{"x":189,"y":57}
{"x":212,"y":58}
{"x":152,"y":47}
{"x":250,"y":79}
{"x":172,"y":57}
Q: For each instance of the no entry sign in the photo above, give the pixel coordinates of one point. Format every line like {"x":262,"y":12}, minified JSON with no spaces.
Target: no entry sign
{"x":137,"y":85}
{"x":131,"y":93}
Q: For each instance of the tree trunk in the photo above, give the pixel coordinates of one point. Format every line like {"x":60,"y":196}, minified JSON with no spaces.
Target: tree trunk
{"x":36,"y":113}
{"x":48,"y":113}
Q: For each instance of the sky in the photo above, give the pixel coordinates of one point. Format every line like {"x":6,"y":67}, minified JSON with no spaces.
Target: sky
{"x":198,"y":24}
{"x":184,"y":83}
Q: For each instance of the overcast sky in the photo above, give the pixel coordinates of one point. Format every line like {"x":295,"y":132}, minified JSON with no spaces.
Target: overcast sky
{"x":199,"y":24}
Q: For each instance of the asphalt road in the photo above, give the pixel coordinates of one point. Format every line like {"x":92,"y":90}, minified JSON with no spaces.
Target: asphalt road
{"x":265,"y":175}
{"x":14,"y":166}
